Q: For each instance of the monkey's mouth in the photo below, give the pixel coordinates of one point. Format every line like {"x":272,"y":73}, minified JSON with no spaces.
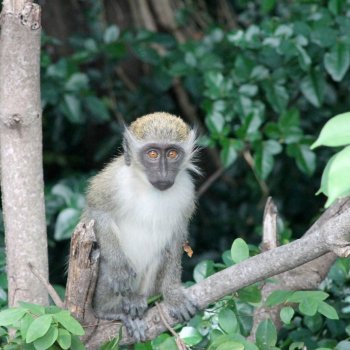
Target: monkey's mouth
{"x":162,"y":185}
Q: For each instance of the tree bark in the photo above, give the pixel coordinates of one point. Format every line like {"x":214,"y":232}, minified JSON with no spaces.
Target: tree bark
{"x":21,"y":151}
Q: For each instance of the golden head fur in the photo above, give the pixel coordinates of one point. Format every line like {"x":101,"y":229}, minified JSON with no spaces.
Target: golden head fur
{"x":160,"y":126}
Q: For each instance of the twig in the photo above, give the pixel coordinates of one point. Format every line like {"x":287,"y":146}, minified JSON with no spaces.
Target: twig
{"x":250,"y":161}
{"x":102,"y":323}
{"x":53,"y":294}
{"x":211,"y":179}
{"x":179,"y":342}
{"x":125,"y":79}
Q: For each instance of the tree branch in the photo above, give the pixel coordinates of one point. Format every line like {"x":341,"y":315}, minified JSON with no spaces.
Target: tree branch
{"x":330,"y":233}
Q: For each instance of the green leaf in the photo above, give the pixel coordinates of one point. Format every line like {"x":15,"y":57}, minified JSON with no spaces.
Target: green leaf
{"x":289,"y":119}
{"x":277,"y":95}
{"x":278,"y":297}
{"x":25,"y":323}
{"x":64,"y":192}
{"x":66,"y":221}
{"x":64,"y":338}
{"x":219,"y":339}
{"x":203,"y":270}
{"x":249,"y":90}
{"x":335,"y":181}
{"x":38,"y":328}
{"x":266,"y":334}
{"x":299,"y":296}
{"x":313,"y":87}
{"x":190,"y":336}
{"x":286,"y":314}
{"x":268,"y":5}
{"x":308,"y":306}
{"x":33,"y":308}
{"x":71,"y":108}
{"x":114,"y":345}
{"x":146,"y":54}
{"x":243,"y":67}
{"x":10,"y":316}
{"x":314,"y":323}
{"x":336,"y":132}
{"x":304,"y":157}
{"x":68,"y":322}
{"x":77,"y":82}
{"x":231,"y":345}
{"x":343,"y":345}
{"x":336,"y":6}
{"x":228,"y":153}
{"x":304,"y":58}
{"x":337,"y":61}
{"x":215,"y":121}
{"x":167,"y":343}
{"x":239,"y":250}
{"x":250,"y":294}
{"x":226,"y":258}
{"x":111,"y":34}
{"x":228,"y":321}
{"x":264,"y":157}
{"x":77,"y":344}
{"x":327,"y":311}
{"x":97,"y":108}
{"x":46,"y":341}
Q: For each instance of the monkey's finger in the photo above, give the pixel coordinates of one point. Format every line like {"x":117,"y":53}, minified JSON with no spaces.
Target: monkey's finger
{"x":191,"y":306}
{"x":126,"y":307}
{"x":185,"y":315}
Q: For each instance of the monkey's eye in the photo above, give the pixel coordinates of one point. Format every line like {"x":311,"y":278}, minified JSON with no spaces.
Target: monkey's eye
{"x":152,"y":154}
{"x":172,"y":154}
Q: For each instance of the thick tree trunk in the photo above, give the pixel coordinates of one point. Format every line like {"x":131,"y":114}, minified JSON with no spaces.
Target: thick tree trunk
{"x":21,"y":151}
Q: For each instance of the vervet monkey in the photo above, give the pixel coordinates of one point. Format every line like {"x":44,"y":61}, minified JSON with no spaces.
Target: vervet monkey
{"x":141,"y":203}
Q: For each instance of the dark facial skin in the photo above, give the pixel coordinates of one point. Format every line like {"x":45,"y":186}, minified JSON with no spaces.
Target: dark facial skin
{"x":162,"y":163}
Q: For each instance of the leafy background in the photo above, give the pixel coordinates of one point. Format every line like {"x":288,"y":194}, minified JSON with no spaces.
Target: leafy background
{"x":259,"y":87}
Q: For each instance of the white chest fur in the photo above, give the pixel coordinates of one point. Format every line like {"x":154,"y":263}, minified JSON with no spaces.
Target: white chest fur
{"x":148,"y":218}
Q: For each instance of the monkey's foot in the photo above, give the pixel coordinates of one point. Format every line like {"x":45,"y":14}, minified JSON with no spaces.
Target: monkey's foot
{"x":135,"y":327}
{"x":134,"y":305}
{"x":181,"y":306}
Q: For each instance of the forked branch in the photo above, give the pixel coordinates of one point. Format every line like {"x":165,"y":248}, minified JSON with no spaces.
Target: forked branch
{"x":330,"y":233}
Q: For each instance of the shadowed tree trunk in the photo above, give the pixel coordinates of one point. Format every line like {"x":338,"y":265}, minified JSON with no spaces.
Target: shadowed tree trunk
{"x":21,"y":151}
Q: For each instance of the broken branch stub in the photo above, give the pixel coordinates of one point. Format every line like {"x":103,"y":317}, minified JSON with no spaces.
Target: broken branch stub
{"x":82,"y":272}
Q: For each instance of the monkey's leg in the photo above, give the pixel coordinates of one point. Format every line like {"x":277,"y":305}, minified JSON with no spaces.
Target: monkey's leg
{"x":115,"y":267}
{"x":180,"y":306}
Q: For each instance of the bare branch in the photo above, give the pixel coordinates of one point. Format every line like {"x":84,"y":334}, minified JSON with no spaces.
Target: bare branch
{"x":53,"y":294}
{"x":210,"y":180}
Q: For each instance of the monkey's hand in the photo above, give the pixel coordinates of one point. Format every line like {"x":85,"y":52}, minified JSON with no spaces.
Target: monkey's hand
{"x":134,"y":305}
{"x":123,"y":282}
{"x":180,"y":305}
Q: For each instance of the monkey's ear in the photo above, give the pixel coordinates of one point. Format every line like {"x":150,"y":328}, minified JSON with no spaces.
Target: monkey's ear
{"x":127,"y":151}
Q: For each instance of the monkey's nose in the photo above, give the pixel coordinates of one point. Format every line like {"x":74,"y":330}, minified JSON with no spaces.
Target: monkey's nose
{"x":162,"y":185}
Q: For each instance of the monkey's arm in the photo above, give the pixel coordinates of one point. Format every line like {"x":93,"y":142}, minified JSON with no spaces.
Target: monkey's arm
{"x":181,"y":307}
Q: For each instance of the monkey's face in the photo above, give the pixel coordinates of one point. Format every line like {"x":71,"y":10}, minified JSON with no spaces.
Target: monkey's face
{"x":162,"y":163}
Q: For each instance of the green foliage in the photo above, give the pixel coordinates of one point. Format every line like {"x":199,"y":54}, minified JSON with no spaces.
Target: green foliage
{"x":37,"y":327}
{"x":335,"y":181}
